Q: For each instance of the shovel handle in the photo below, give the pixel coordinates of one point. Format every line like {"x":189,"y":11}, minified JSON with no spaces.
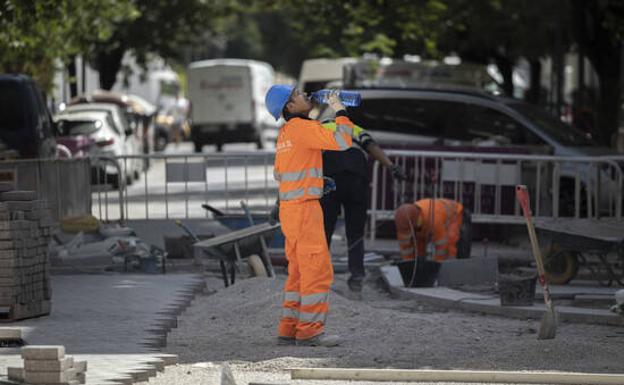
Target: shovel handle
{"x":522,"y":195}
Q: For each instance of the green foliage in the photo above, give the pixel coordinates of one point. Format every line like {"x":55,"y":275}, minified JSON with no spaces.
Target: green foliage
{"x":352,"y":28}
{"x":162,"y":27}
{"x":34,"y":34}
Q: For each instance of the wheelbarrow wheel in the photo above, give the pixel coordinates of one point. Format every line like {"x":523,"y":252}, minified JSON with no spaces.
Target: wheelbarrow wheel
{"x":256,"y":265}
{"x":560,"y":266}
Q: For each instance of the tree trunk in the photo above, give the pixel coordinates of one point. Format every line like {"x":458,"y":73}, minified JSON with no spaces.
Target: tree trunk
{"x":533,"y":93}
{"x":108,"y":63}
{"x":608,"y":109}
{"x":603,"y":49}
{"x":71,"y":74}
{"x":505,"y":66}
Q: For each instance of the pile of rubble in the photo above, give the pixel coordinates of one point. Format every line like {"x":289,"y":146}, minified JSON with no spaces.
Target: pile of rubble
{"x":84,"y":243}
{"x":25,"y":229}
{"x":48,"y":364}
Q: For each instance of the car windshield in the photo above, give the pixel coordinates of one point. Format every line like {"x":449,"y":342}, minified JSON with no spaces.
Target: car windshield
{"x":78,"y":127}
{"x":559,"y":131}
{"x":109,"y":117}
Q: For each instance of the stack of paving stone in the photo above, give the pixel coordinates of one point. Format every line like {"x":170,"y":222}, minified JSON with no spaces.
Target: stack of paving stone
{"x":25,"y":229}
{"x":48,"y":364}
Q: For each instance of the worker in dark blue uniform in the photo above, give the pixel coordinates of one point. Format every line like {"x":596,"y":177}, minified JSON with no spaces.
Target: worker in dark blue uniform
{"x":349,"y":170}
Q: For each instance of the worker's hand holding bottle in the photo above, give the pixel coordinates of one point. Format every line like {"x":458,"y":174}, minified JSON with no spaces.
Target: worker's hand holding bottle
{"x":398,"y":173}
{"x":334,"y":101}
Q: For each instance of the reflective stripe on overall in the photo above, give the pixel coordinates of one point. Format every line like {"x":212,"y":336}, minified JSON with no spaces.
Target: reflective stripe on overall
{"x":445,"y":229}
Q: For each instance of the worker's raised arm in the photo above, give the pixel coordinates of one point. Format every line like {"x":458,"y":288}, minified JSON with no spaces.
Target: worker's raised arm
{"x":313,"y":136}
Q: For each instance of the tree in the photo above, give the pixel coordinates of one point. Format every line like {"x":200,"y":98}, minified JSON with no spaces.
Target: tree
{"x":598,"y":28}
{"x":35,"y":34}
{"x":162,"y":27}
{"x":501,"y":32}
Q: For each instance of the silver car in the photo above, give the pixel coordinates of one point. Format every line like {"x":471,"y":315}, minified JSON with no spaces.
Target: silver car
{"x":464,"y":120}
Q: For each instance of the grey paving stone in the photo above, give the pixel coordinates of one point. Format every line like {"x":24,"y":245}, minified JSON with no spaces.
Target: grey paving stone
{"x":18,"y":195}
{"x":43,"y":352}
{"x":469,"y":271}
{"x":80,"y":366}
{"x":392,"y":276}
{"x":15,"y":374}
{"x":103,"y":331}
{"x":6,"y":186}
{"x":50,"y":377}
{"x":49,"y":365}
{"x":7,"y":333}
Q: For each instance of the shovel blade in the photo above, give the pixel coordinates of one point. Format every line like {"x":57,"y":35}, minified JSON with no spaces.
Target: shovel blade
{"x":548,"y":325}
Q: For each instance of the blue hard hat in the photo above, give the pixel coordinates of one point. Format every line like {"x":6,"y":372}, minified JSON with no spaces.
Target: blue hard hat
{"x":276,"y":98}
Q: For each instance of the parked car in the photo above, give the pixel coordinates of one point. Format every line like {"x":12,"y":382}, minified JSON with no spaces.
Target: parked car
{"x":77,"y":146}
{"x":131,"y":142}
{"x":227,"y":101}
{"x":109,"y":140}
{"x":25,"y":122}
{"x":463,"y":120}
{"x":412,"y":118}
{"x":139,"y":113}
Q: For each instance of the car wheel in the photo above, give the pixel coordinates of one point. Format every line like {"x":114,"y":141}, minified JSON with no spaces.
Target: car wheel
{"x":219,"y":147}
{"x":198,"y":146}
{"x":259,"y":143}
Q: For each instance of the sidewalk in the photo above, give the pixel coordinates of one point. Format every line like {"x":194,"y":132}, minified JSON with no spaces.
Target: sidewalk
{"x":117,"y":323}
{"x":447,"y":298}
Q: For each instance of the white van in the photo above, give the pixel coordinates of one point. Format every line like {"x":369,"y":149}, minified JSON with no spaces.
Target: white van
{"x":227,"y":101}
{"x":316,"y":74}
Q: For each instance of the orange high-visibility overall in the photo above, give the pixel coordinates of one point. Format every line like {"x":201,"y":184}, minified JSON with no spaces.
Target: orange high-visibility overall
{"x":443,"y":227}
{"x":299,"y":170}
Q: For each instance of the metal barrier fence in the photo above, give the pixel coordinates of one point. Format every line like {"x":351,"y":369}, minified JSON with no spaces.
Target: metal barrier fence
{"x":66,"y":184}
{"x":175,"y":186}
{"x":485,"y":184}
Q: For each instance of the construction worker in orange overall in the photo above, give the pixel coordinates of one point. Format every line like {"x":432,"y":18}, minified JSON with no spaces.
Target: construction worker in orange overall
{"x":299,"y":171}
{"x":433,"y":220}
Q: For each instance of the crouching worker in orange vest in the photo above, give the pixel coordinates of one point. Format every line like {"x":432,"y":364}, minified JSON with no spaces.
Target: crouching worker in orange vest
{"x":448,"y":226}
{"x":299,"y":171}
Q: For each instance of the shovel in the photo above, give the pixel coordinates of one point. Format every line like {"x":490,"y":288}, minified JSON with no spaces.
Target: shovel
{"x":548,"y":325}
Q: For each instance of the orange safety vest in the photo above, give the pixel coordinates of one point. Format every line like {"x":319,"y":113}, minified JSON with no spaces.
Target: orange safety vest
{"x":442,"y":227}
{"x":298,"y":159}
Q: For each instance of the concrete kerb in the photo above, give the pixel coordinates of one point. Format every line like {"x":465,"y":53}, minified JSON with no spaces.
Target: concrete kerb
{"x":446,"y":298}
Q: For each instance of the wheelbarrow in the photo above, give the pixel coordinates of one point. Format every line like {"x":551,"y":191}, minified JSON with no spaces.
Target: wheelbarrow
{"x":237,"y":221}
{"x":596,"y":244}
{"x":246,"y":243}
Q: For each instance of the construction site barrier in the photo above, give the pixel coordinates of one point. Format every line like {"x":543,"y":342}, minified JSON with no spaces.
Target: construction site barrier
{"x":571,"y":187}
{"x":177,"y":185}
{"x":66,"y":184}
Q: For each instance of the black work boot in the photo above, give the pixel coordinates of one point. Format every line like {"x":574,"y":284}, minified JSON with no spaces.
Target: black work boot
{"x":355,"y":283}
{"x":284,"y":341}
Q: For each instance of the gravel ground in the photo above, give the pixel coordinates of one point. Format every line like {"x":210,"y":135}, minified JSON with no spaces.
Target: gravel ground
{"x":238,"y":325}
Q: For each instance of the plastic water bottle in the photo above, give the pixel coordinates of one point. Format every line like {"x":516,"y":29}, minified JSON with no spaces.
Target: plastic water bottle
{"x":348,"y":98}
